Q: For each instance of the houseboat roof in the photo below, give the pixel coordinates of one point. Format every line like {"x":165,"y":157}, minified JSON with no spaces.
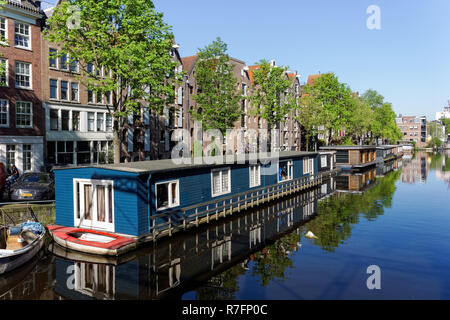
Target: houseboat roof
{"x":384,"y":147}
{"x":348,"y":147}
{"x":142,"y":167}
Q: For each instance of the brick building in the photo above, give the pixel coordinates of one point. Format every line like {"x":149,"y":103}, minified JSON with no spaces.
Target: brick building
{"x":413,"y":129}
{"x":22,"y":134}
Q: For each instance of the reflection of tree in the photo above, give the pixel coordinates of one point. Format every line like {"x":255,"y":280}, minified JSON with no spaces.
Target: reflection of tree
{"x":271,"y":263}
{"x":337,"y":214}
{"x":333,"y":226}
{"x":223,"y":286}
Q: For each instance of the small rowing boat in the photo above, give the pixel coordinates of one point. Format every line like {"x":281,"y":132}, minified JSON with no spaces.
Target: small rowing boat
{"x":19,"y":244}
{"x":91,"y":241}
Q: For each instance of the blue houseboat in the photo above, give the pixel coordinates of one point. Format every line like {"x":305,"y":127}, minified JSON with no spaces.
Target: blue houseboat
{"x":150,"y":199}
{"x":386,"y":153}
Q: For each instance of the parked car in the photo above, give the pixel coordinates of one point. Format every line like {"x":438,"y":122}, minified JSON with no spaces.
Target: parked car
{"x":3,"y":176}
{"x":33,"y":186}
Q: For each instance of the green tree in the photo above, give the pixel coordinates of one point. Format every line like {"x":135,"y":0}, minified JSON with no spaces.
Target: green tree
{"x":336,"y":100}
{"x":311,"y":116}
{"x":383,"y":122}
{"x":3,"y":43}
{"x":446,"y":123}
{"x":360,"y":121}
{"x":272,"y":97}
{"x":130,"y":41}
{"x":218,"y":97}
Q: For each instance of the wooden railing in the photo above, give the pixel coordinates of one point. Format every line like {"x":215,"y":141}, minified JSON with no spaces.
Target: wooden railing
{"x":167,"y":223}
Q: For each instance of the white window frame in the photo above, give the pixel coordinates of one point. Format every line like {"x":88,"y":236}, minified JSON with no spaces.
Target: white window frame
{"x":323,"y":158}
{"x":71,"y":91}
{"x":221,"y":170}
{"x":7,"y":114}
{"x":93,"y":223}
{"x":56,"y":59}
{"x":23,"y":35}
{"x":5,"y":30}
{"x":30,"y":75}
{"x":290,"y":168}
{"x":30,"y":114}
{"x":308,"y":166}
{"x":67,"y":90}
{"x":256,"y":175}
{"x":6,"y":71}
{"x":170,"y":205}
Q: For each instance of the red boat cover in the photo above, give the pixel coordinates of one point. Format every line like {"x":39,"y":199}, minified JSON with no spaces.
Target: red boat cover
{"x":64,"y":233}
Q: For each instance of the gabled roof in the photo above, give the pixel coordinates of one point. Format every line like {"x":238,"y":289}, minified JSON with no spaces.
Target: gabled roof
{"x":188,"y":63}
{"x":311,"y":79}
{"x":251,"y":69}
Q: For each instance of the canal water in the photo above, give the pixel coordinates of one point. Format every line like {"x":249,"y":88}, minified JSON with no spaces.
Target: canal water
{"x":379,"y":234}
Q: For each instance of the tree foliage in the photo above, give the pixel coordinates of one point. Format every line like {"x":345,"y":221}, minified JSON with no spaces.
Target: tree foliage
{"x":130,"y":40}
{"x":218,"y":98}
{"x":272,"y":96}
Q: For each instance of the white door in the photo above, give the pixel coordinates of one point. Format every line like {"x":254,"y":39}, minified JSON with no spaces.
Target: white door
{"x":95,"y":202}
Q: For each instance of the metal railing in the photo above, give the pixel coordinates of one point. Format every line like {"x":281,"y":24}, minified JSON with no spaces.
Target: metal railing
{"x":184,"y":218}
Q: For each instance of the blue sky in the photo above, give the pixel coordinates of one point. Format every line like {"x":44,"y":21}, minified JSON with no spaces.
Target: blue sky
{"x":407,"y":61}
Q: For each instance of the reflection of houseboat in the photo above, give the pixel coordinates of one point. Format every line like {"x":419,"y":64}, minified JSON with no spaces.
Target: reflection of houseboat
{"x":177,"y":265}
{"x":386,"y":167}
{"x":356,"y":182}
{"x":150,"y":199}
{"x":386,"y":153}
{"x":353,"y":157}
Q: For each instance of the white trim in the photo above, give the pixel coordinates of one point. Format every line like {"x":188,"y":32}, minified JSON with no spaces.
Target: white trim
{"x":6,"y":30}
{"x":256,"y":178}
{"x":93,"y":223}
{"x":170,"y":205}
{"x":290,"y":168}
{"x":221,"y":170}
{"x":30,"y":75}
{"x":22,"y":35}
{"x":31,"y":114}
{"x":7,"y":114}
{"x":6,"y":71}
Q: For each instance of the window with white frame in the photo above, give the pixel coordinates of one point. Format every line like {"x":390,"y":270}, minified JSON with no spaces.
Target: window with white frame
{"x":4,"y":72}
{"x":91,"y":121}
{"x":255,"y":175}
{"x":52,"y":59}
{"x":323,"y":161}
{"x":3,"y":28}
{"x":167,"y":195}
{"x":23,"y":75}
{"x":220,"y":181}
{"x":4,"y":113}
{"x":308,"y":166}
{"x":24,"y":114}
{"x":26,"y":157}
{"x":64,"y":90}
{"x":93,"y":203}
{"x":74,"y":91}
{"x":10,"y":155}
{"x":53,"y":89}
{"x":285,"y":170}
{"x":22,"y":35}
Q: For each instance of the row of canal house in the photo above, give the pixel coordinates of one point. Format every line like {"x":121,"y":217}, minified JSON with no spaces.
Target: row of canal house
{"x":48,"y":118}
{"x":150,"y":199}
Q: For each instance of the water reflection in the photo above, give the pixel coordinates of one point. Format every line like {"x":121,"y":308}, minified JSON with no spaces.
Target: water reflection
{"x":208,"y":263}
